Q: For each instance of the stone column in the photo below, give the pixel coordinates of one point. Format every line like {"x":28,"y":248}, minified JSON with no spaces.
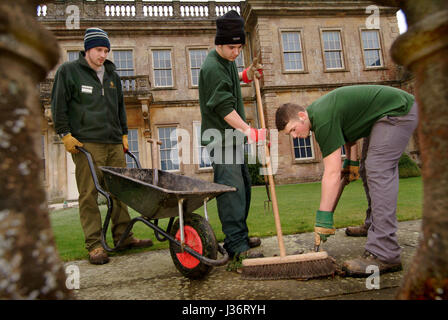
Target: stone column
{"x":423,"y":49}
{"x":30,"y":267}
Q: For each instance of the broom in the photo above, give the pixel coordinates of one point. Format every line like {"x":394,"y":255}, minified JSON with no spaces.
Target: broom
{"x":301,"y":266}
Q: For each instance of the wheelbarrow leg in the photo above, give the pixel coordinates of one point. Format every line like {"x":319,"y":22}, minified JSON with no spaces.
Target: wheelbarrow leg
{"x":205,"y":209}
{"x":181,"y":223}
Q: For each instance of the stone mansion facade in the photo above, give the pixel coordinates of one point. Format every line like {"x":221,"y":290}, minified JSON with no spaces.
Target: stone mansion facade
{"x":308,"y":48}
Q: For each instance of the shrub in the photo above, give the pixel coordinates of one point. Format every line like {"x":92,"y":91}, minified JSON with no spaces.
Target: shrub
{"x":254,"y":172}
{"x":407,"y":167}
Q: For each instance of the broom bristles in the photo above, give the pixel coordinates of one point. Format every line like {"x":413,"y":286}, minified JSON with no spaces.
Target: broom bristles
{"x":303,"y":266}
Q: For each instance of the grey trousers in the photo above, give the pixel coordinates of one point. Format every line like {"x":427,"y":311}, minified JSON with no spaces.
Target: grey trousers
{"x":379,"y":172}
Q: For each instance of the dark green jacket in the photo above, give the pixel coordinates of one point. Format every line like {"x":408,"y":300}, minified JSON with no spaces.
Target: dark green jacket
{"x":219,"y":94}
{"x":81,"y":105}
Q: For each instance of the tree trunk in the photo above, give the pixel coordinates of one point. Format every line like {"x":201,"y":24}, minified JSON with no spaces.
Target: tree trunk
{"x":30,"y":267}
{"x":424,"y":50}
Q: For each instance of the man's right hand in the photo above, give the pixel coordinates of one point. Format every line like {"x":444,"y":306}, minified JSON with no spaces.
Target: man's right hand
{"x":71,"y":143}
{"x":256,"y":135}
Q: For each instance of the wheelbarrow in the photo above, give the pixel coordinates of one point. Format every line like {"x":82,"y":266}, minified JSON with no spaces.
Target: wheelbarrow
{"x":157,"y":194}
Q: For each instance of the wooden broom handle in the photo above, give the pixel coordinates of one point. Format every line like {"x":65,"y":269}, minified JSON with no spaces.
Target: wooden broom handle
{"x":278,"y":225}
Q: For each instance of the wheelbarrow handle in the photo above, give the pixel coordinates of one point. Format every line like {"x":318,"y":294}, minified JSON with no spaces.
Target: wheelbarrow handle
{"x":134,"y":157}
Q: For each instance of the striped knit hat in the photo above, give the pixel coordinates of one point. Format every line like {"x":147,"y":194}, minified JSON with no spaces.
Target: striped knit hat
{"x":95,"y":37}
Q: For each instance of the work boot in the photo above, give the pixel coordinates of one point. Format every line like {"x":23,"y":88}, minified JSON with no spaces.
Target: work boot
{"x":250,"y":254}
{"x":98,"y":256}
{"x":132,"y":243}
{"x":358,"y":267}
{"x":359,"y":231}
{"x":254,"y":242}
{"x":236,"y":259}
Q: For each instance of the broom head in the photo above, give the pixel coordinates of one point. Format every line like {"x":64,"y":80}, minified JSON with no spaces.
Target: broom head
{"x":302,"y":267}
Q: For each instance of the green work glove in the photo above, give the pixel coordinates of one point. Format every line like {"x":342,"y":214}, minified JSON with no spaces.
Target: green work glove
{"x":324,"y":226}
{"x":350,"y":168}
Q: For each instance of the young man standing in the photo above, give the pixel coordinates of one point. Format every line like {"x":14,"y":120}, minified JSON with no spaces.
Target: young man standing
{"x":387,"y":117}
{"x":88,"y":111}
{"x":222,"y":112}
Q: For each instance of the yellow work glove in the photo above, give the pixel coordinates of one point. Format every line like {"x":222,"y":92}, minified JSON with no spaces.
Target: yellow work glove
{"x":255,"y":69}
{"x":351,"y":169}
{"x":125,"y":143}
{"x":71,"y":143}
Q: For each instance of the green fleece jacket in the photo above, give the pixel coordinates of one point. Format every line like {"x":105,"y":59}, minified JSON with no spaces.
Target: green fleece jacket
{"x":89,"y":110}
{"x":219,"y":94}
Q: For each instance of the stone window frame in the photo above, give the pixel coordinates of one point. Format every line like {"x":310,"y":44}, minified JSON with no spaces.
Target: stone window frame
{"x":196,"y":146}
{"x":302,"y":44}
{"x":316,"y":158}
{"x":71,"y":49}
{"x":343,"y":49}
{"x":125,"y":86}
{"x":173,"y":69}
{"x":168,"y":125}
{"x":381,"y":43}
{"x":187,"y":54}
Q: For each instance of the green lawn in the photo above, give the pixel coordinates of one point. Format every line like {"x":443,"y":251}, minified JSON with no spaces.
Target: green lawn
{"x":297,"y":206}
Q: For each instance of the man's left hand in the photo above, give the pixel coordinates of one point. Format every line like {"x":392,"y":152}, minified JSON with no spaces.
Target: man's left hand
{"x":254,"y":70}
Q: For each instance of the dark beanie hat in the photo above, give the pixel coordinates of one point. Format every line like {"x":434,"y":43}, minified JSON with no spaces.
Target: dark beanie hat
{"x":95,"y":37}
{"x":230,"y":29}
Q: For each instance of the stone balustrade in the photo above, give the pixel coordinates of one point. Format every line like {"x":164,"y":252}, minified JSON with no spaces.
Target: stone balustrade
{"x":132,"y":86}
{"x":137,"y":9}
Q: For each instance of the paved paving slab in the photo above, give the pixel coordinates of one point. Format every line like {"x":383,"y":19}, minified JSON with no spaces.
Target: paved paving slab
{"x":152,"y":275}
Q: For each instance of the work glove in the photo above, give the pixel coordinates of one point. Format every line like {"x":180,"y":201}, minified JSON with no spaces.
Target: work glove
{"x":125,"y":143}
{"x":350,"y":169}
{"x":255,"y":69}
{"x":324,"y":226}
{"x":256,"y":135}
{"x":71,"y":143}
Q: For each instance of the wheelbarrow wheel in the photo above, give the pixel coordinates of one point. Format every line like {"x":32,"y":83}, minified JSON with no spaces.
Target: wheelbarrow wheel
{"x":200,"y":237}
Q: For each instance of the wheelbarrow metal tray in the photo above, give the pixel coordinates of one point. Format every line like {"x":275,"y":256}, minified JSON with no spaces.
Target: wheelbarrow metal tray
{"x":135,"y":188}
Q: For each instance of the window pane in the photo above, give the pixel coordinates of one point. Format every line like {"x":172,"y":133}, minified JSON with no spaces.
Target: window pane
{"x":303,"y":148}
{"x":332,"y":40}
{"x":372,"y":58}
{"x":333,"y":59}
{"x":133,"y":147}
{"x":162,"y":68}
{"x":240,"y":62}
{"x":370,"y":39}
{"x":292,"y":51}
{"x":291,"y":41}
{"x":293,"y":61}
{"x":72,"y":55}
{"x":371,"y":45}
{"x":169,"y":159}
{"x":204,"y":159}
{"x":197,"y":57}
